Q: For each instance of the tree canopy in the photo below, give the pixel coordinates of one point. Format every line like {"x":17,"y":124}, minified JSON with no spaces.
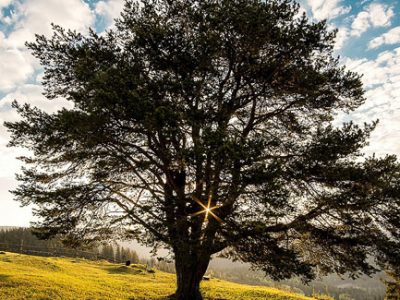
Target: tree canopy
{"x":208,"y":126}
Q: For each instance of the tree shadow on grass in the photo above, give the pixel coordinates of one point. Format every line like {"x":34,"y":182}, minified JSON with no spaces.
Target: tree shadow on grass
{"x":4,"y":277}
{"x":173,"y":297}
{"x":170,"y":297}
{"x":126,"y":270}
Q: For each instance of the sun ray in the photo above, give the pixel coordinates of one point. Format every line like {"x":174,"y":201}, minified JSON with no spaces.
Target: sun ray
{"x":199,"y":202}
{"x":215,"y":216}
{"x":198,"y":213}
{"x":207,"y":209}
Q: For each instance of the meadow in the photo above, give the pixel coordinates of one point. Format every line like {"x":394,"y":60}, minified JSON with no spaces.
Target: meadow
{"x":35,"y":277}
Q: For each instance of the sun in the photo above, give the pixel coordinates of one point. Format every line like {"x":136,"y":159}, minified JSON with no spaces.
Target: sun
{"x":207,"y":209}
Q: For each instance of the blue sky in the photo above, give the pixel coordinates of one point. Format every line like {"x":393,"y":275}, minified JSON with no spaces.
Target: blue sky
{"x":368,"y":42}
{"x":376,"y":17}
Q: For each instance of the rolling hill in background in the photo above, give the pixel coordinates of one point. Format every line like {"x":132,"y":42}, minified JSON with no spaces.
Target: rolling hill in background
{"x":33,"y":277}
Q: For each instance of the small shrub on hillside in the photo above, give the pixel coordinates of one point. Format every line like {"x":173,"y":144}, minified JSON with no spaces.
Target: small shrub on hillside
{"x":322,"y":297}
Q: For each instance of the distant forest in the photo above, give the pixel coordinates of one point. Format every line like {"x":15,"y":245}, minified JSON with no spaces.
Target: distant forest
{"x":22,"y":240}
{"x":364,"y":288}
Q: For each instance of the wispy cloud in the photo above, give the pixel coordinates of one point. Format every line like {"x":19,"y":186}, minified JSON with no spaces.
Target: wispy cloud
{"x":375,"y":15}
{"x":342,"y":36}
{"x":391,"y":37}
{"x":327,"y":9}
{"x":382,"y":81}
{"x":17,"y":65}
{"x":36,"y":16}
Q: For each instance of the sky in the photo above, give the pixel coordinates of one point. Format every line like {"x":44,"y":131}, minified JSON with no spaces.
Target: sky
{"x":368,"y":42}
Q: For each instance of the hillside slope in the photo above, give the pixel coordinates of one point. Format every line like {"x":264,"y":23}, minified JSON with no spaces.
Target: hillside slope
{"x":33,"y":277}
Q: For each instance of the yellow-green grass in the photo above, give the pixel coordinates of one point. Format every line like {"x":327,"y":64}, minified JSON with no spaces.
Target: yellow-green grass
{"x":34,"y":277}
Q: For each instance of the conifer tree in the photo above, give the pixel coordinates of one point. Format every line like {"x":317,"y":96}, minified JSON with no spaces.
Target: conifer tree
{"x":205,"y":126}
{"x":118,"y":256}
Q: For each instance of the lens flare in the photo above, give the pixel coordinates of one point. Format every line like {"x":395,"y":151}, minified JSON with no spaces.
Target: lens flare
{"x":207,"y":209}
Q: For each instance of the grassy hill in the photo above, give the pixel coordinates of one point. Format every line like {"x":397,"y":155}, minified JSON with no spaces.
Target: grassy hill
{"x":32,"y":277}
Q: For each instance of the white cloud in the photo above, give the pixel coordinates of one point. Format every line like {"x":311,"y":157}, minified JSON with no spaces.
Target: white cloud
{"x":4,"y":3}
{"x":376,"y":15}
{"x":382,"y":82}
{"x":9,"y":164}
{"x":327,"y":9}
{"x":109,"y":9}
{"x":385,"y":69}
{"x":32,"y":94}
{"x":373,"y":73}
{"x":12,"y":214}
{"x":342,"y":36}
{"x":10,"y":17}
{"x":360,"y":23}
{"x":391,"y":37}
{"x":28,"y":93}
{"x":16,"y":66}
{"x":35,"y":16}
{"x":380,"y":14}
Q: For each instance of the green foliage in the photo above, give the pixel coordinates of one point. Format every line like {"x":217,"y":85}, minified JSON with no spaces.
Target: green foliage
{"x":228,"y":101}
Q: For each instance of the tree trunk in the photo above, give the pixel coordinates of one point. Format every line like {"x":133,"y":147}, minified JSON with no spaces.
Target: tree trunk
{"x":189,"y":273}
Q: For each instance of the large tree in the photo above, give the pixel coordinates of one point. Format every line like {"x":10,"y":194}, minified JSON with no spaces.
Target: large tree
{"x":204,"y":126}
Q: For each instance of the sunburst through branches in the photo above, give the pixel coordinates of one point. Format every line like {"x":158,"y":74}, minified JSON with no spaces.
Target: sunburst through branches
{"x":207,"y":209}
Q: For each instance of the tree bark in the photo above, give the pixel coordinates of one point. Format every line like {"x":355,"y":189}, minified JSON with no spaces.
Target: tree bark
{"x":189,"y":273}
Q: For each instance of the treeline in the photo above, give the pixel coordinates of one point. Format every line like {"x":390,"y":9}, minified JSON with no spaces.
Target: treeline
{"x":362,"y":289}
{"x":340,"y":292}
{"x":22,"y":240}
{"x":118,"y":254}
